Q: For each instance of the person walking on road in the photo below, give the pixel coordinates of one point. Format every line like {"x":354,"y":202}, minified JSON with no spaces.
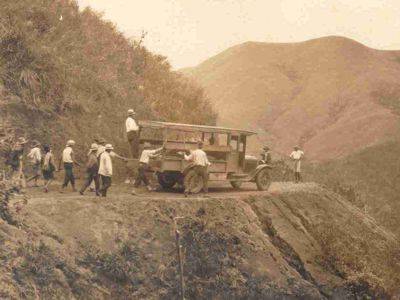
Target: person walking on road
{"x":200,"y":161}
{"x":132,"y":132}
{"x":68,"y":161}
{"x":297,"y":156}
{"x":35,"y":155}
{"x":106,"y":170}
{"x":144,"y":167}
{"x":92,"y":168}
{"x":14,"y":160}
{"x":48,"y":167}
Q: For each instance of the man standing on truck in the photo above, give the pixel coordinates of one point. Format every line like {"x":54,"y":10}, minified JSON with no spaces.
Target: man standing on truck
{"x":297,"y":155}
{"x":132,"y":133}
{"x":201,"y":163}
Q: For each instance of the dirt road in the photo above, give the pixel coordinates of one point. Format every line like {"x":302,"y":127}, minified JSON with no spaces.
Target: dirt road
{"x":221,"y":191}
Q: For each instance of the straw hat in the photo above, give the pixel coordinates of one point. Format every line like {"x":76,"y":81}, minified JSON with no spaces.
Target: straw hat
{"x":70,"y":143}
{"x":109,"y":147}
{"x":131,"y":112}
{"x":94,"y":147}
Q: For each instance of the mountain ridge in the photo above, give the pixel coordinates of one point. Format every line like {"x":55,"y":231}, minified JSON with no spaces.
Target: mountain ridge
{"x":303,"y":92}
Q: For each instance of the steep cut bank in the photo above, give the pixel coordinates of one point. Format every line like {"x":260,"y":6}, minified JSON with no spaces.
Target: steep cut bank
{"x":279,"y":245}
{"x":332,"y":95}
{"x":68,"y":74}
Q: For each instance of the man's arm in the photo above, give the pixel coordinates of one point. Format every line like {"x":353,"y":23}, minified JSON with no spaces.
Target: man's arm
{"x":73,"y":159}
{"x":113,"y":154}
{"x":188,"y":157}
{"x":156,"y":152}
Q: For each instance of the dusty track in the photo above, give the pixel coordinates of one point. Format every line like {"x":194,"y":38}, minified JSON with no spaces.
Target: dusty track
{"x":220,"y":191}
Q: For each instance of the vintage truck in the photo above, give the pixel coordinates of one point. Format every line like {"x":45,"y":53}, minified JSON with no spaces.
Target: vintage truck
{"x":225,"y":148}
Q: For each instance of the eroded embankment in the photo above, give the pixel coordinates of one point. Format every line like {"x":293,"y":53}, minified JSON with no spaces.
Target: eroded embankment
{"x":282,"y":245}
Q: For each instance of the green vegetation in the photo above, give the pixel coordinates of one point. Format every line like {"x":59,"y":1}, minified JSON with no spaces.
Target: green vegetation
{"x":66,"y":73}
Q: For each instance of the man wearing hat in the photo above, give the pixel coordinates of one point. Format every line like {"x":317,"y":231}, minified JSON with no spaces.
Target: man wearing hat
{"x":35,"y":155}
{"x":144,"y":160}
{"x":297,"y":155}
{"x":199,"y":158}
{"x":92,"y":168}
{"x":132,"y":132}
{"x":106,"y":170}
{"x":15,"y":159}
{"x":69,"y":161}
{"x":266,"y":156}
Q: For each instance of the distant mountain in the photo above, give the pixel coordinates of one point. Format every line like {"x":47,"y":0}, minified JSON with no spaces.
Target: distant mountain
{"x":332,"y":95}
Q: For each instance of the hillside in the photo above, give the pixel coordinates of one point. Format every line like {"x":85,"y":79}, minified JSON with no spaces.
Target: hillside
{"x":68,"y":74}
{"x":301,"y":243}
{"x":368,"y":179}
{"x":331,"y":95}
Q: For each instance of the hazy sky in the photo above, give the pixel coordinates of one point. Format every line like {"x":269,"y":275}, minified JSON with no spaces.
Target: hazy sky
{"x":190,"y":31}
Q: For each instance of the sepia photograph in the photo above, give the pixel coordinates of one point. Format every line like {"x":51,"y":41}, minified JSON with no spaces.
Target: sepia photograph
{"x":200,"y":149}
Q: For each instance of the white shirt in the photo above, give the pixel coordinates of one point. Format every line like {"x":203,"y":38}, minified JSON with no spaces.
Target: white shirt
{"x":146,"y":154}
{"x":199,"y":158}
{"x":105,"y":168}
{"x":131,"y":125}
{"x":35,"y":155}
{"x":297,"y":155}
{"x":67,"y":155}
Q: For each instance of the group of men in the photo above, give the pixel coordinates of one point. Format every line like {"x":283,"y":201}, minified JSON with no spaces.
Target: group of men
{"x":99,"y":169}
{"x":99,"y":165}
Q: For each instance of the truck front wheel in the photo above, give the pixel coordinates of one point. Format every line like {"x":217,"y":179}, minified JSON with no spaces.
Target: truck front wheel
{"x":263,"y":180}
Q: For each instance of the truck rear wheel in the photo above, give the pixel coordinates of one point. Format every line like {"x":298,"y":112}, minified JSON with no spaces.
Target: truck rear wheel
{"x":167,"y":180}
{"x":263,"y":180}
{"x":236,"y":184}
{"x":193,"y":182}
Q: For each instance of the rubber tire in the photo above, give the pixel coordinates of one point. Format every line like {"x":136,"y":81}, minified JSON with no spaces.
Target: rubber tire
{"x":167,"y":181}
{"x":263,"y":180}
{"x":236,"y":184}
{"x":193,"y":181}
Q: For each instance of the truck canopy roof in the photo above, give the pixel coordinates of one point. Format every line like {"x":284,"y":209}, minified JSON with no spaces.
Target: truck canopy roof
{"x":194,"y":128}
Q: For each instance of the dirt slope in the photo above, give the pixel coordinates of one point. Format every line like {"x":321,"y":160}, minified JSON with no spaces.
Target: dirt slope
{"x":293,"y":242}
{"x":332,"y":95}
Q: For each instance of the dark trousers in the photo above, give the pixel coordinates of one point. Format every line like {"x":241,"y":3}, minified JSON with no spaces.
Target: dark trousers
{"x":69,"y":174}
{"x":297,"y":176}
{"x":89,"y":177}
{"x":203,"y":172}
{"x":141,"y":177}
{"x":133,"y":139}
{"x":105,"y":184}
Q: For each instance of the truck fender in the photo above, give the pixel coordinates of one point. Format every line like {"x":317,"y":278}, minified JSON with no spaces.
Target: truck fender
{"x":258,"y":169}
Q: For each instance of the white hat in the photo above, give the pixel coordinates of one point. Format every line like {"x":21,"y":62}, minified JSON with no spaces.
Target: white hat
{"x":70,"y":143}
{"x":109,"y":147}
{"x":131,"y":112}
{"x":94,"y":147}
